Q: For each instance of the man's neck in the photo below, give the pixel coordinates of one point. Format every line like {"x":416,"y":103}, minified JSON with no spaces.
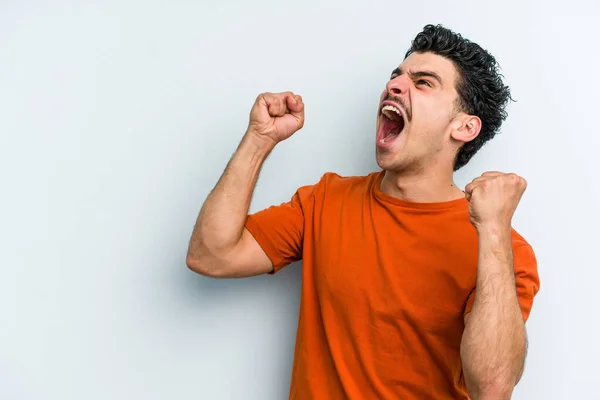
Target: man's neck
{"x":432,"y":187}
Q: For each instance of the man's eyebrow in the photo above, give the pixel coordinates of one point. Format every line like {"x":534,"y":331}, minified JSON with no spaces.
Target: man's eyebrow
{"x":397,"y":71}
{"x":419,"y":74}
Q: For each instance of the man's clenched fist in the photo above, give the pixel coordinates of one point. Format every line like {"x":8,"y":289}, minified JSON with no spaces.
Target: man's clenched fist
{"x":493,"y":198}
{"x":276,"y":116}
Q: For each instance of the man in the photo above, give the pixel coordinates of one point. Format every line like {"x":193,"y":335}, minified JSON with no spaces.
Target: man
{"x":412,"y":288}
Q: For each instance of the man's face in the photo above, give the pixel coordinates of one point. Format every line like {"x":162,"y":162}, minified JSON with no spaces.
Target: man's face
{"x":415,"y":112}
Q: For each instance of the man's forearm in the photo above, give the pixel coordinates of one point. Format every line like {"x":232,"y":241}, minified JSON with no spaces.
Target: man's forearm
{"x":493,"y":344}
{"x":221,"y":220}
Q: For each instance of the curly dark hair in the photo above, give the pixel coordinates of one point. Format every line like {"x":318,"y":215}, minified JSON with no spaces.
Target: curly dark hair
{"x":481,"y":91}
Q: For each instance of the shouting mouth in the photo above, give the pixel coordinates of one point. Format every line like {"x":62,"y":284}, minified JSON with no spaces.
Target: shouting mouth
{"x":391,"y":125}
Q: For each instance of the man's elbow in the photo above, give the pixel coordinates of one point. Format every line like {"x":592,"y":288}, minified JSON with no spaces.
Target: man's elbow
{"x":497,"y":388}
{"x":200,"y":263}
{"x":500,"y":391}
{"x":209,"y":264}
{"x":197,"y":265}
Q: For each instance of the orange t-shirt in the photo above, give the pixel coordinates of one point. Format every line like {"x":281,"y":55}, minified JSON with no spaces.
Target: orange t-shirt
{"x":385,"y":286}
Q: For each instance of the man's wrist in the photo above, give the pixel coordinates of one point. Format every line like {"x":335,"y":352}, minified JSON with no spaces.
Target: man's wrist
{"x":494,"y":230}
{"x":495,"y":246}
{"x":258,"y":145}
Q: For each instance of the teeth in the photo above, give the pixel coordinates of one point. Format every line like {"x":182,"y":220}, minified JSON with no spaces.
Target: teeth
{"x":388,"y":109}
{"x":392,"y":108}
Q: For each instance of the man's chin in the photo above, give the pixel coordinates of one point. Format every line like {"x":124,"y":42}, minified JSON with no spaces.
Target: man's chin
{"x":385,"y":160}
{"x":392,"y":162}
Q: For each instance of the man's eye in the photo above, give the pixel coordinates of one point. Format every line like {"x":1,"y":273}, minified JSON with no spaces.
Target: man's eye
{"x":423,"y":82}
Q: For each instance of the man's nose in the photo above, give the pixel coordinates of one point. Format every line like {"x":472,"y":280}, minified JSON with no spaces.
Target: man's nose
{"x":398,"y":85}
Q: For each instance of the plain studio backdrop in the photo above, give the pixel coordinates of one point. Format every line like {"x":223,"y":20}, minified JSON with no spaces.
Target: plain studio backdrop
{"x":118,"y":117}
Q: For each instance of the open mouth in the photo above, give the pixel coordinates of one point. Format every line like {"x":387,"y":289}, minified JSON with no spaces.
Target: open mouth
{"x":391,"y":125}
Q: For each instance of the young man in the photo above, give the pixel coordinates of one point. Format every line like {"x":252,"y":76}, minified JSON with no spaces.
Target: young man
{"x":412,"y":288}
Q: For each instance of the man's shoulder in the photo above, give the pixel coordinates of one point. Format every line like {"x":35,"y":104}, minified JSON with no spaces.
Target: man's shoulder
{"x":518,"y":239}
{"x":333,"y":187}
{"x":333,"y":181}
{"x":523,"y":252}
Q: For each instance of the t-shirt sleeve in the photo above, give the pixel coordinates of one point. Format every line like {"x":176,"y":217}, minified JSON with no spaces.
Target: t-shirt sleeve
{"x":526,"y":278}
{"x":279,"y":229}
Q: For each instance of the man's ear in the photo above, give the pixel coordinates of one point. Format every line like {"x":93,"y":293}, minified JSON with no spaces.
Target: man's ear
{"x":466,"y":128}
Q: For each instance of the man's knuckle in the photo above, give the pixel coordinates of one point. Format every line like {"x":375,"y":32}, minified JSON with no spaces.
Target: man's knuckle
{"x":523,"y":182}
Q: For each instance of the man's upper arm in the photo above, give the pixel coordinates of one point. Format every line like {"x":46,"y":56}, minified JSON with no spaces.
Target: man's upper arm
{"x":279,"y":230}
{"x":246,"y":259}
{"x":526,"y":279}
